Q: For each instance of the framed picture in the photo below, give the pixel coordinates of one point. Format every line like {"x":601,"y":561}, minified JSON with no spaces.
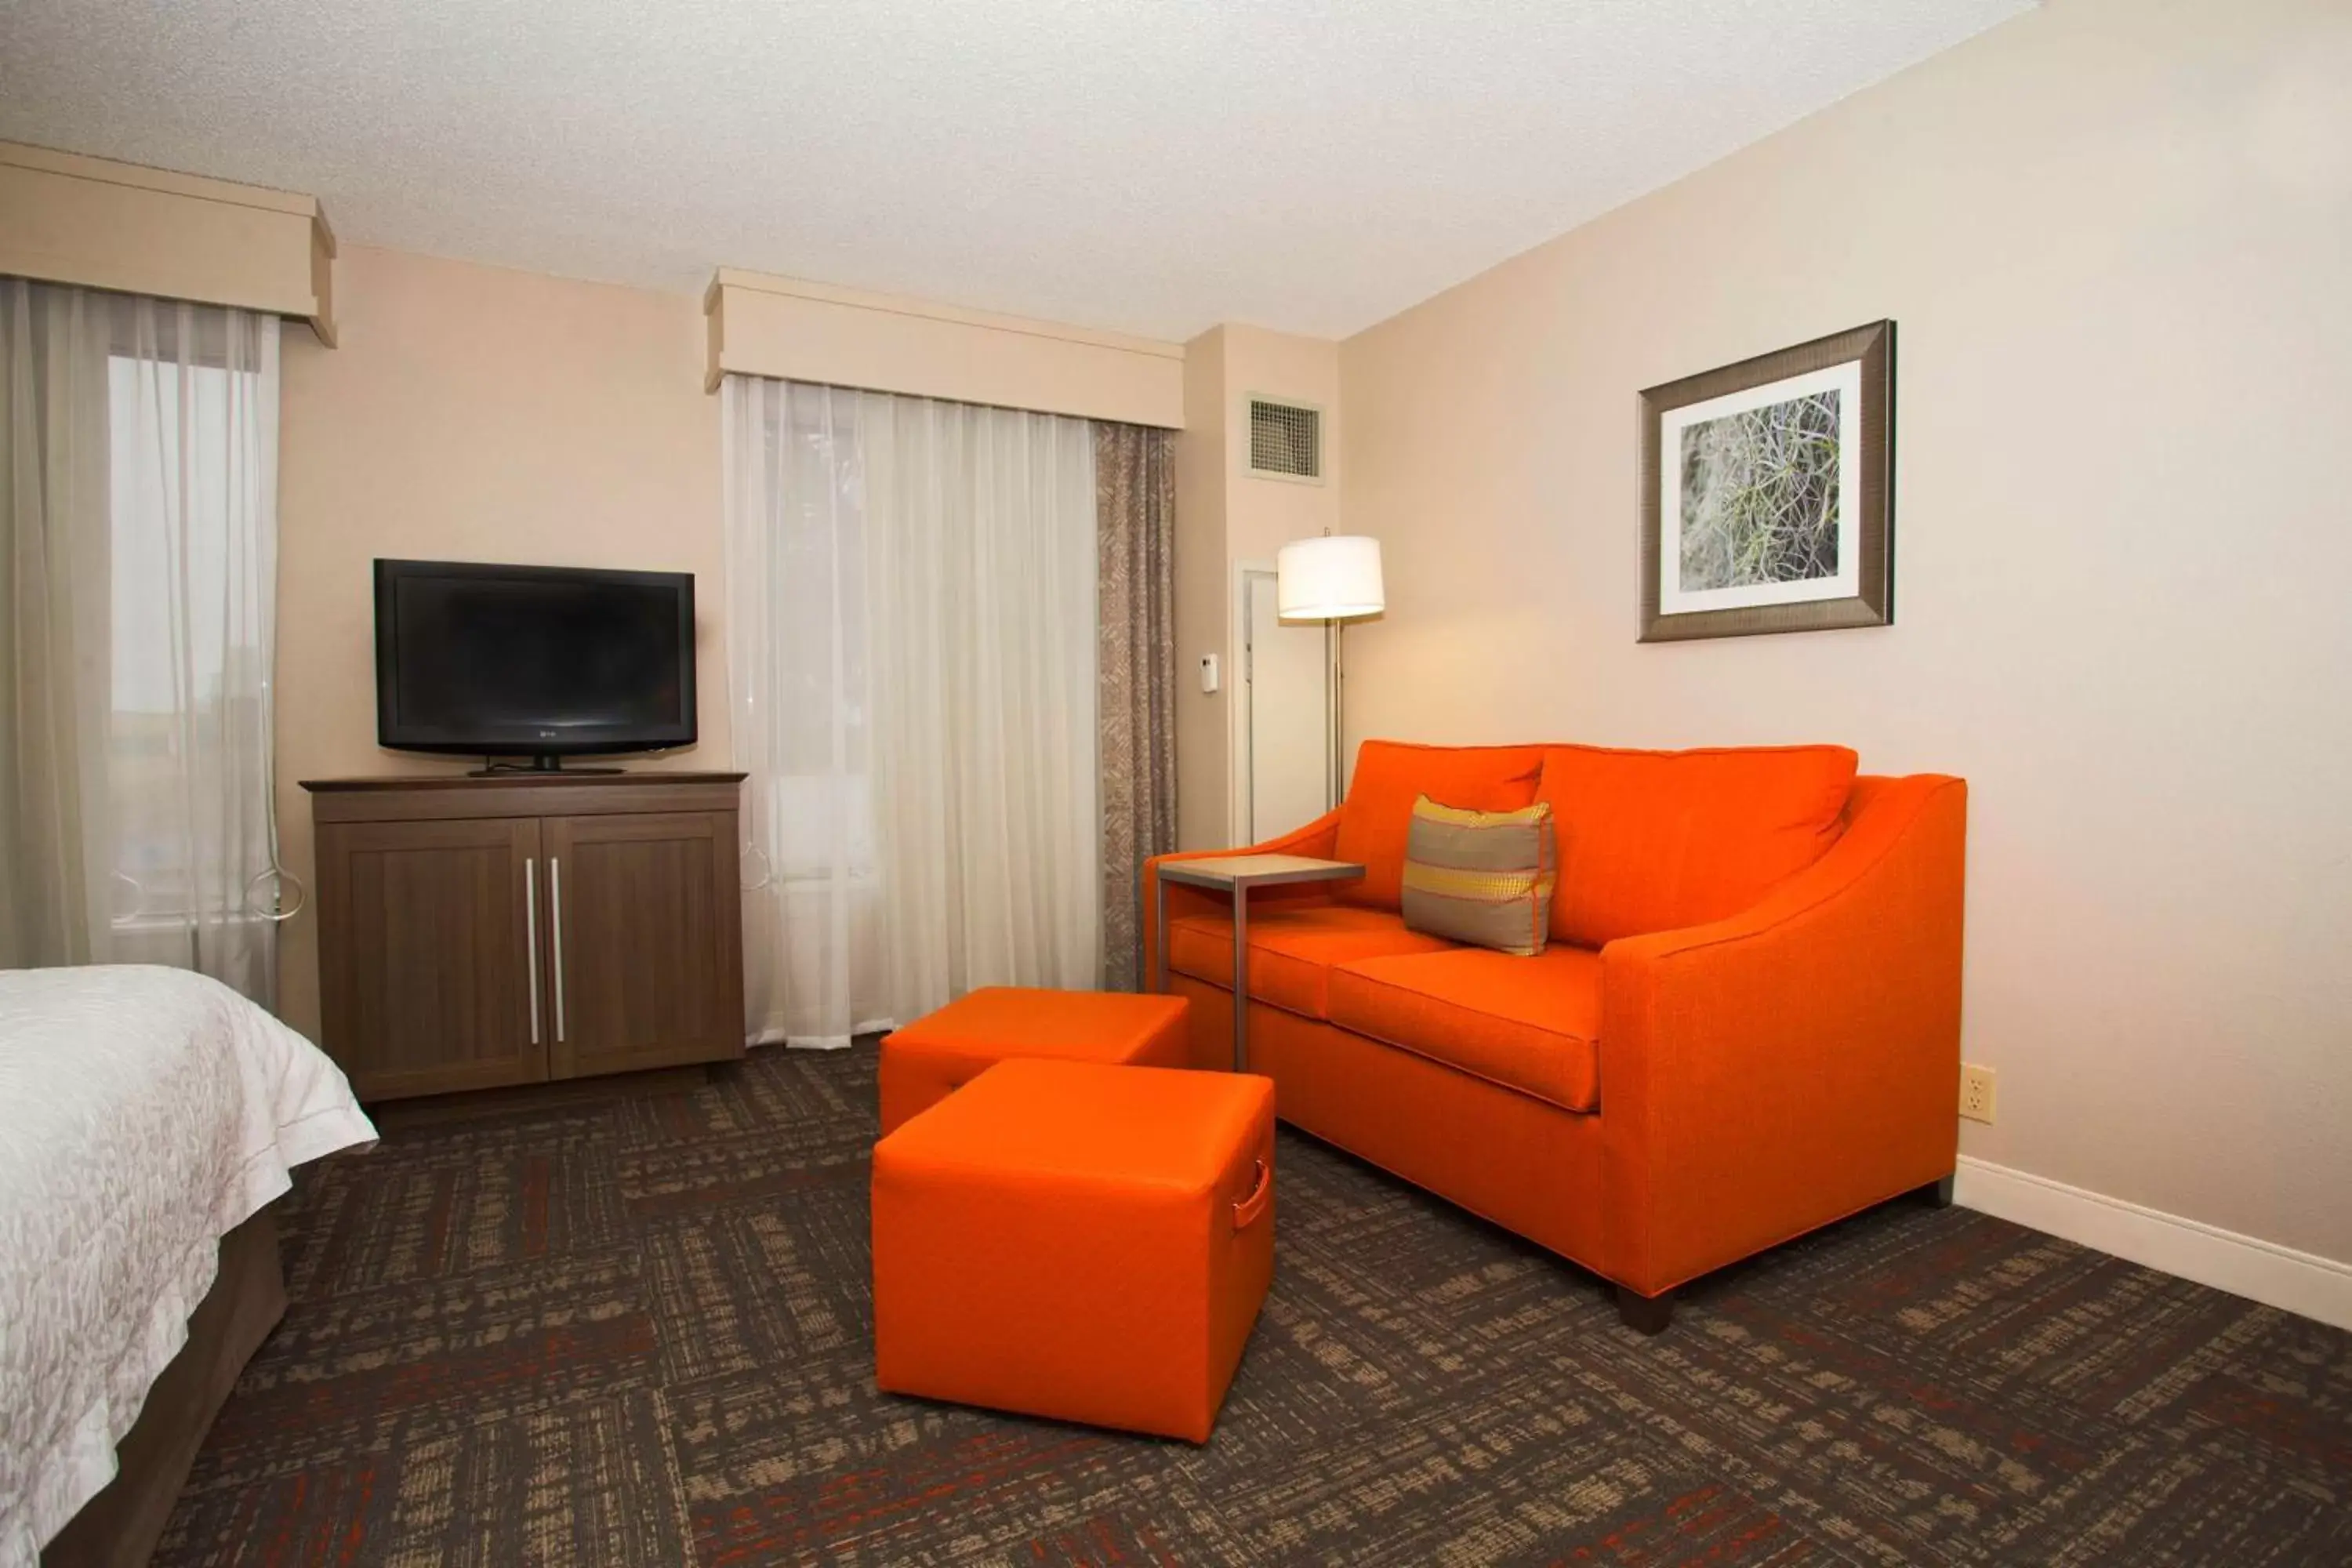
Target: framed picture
{"x":1768,"y":492}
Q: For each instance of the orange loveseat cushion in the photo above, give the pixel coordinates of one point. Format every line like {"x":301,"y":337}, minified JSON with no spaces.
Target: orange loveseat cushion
{"x":1528,"y":1023}
{"x":1652,"y":841}
{"x":932,"y":1058}
{"x":1081,"y":1242}
{"x":1376,"y":818}
{"x":1292,"y":950}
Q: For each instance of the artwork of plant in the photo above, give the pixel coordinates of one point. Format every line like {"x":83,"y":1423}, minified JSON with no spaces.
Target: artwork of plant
{"x":1767,"y":492}
{"x":1759,"y":495}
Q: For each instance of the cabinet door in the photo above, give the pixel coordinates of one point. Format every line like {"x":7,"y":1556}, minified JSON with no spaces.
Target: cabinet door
{"x":646,"y":937}
{"x":429,"y":965}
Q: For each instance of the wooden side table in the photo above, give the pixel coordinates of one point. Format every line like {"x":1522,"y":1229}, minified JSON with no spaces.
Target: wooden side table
{"x":1237,"y":874}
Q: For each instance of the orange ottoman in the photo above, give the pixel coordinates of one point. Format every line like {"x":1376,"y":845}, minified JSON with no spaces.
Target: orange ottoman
{"x":937,"y":1054}
{"x":1082,"y":1242}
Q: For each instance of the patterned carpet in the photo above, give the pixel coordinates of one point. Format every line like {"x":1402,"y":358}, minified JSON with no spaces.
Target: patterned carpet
{"x":634,"y":1330}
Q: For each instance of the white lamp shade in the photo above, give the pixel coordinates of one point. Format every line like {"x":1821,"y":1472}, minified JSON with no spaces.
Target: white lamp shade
{"x":1336,"y":577}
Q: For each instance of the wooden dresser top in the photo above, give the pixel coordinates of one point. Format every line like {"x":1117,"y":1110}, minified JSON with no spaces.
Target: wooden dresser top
{"x":414,"y":796}
{"x":519,"y":780}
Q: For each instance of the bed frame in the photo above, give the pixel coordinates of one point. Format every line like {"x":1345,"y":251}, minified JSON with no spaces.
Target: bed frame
{"x":119,"y":1528}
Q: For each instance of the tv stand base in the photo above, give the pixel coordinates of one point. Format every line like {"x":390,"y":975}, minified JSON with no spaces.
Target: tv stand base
{"x":536,"y":765}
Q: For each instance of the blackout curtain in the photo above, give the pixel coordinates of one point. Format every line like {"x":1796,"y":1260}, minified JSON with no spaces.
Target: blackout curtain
{"x":137,"y":583}
{"x":1135,"y":516}
{"x":911,"y":636}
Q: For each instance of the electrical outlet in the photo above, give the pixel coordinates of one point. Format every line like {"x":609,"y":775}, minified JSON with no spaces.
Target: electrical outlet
{"x":1976,"y":1093}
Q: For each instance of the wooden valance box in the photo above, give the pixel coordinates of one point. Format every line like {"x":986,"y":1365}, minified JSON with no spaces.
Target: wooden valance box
{"x":475,"y":933}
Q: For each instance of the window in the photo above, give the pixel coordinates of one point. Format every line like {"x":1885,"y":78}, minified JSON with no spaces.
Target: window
{"x":825,"y":789}
{"x":186,"y":636}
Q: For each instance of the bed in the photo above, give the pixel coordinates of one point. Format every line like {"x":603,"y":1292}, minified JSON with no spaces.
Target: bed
{"x":148,"y":1118}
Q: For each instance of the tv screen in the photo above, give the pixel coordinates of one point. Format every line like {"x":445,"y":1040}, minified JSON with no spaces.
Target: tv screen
{"x":532,"y":660}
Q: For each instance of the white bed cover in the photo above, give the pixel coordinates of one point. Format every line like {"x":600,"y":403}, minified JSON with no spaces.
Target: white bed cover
{"x":144,"y":1113}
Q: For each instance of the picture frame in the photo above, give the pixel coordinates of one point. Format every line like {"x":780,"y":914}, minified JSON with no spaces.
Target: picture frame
{"x":1768,"y":492}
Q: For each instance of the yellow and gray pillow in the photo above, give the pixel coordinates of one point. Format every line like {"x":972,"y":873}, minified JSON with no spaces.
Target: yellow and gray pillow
{"x":1481,"y":876}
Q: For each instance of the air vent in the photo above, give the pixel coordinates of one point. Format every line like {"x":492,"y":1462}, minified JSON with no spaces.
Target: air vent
{"x":1285,"y":440}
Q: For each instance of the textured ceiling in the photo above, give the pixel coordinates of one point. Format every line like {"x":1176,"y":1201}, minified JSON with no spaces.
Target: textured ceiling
{"x":1154,"y":167}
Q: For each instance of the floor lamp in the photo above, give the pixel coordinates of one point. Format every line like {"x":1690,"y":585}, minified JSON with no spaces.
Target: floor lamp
{"x":1335,"y":579}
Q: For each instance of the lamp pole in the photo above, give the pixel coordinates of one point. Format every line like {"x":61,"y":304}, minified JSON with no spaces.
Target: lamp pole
{"x":1333,"y":579}
{"x":1338,"y":737}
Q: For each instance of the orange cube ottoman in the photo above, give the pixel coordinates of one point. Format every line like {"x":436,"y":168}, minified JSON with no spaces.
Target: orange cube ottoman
{"x":1071,"y":1240}
{"x":937,"y":1054}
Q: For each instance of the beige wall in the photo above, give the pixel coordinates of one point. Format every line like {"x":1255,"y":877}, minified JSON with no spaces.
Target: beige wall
{"x":2114,"y":235}
{"x":1226,"y":518}
{"x":1202,"y":750}
{"x":1262,"y":515}
{"x":475,"y":414}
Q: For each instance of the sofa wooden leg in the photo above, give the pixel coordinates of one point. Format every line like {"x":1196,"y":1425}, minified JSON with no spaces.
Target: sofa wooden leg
{"x":1644,"y":1314}
{"x":1935,"y":1194}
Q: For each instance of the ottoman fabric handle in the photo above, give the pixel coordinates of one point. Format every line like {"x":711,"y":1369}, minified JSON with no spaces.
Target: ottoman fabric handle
{"x":1247,"y":1212}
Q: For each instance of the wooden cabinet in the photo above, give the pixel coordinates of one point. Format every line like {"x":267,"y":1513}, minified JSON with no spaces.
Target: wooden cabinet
{"x":647,"y":922}
{"x":478,"y":933}
{"x":427,"y":956}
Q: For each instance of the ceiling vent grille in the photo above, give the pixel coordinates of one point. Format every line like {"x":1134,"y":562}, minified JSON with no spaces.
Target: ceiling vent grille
{"x":1285,"y":440}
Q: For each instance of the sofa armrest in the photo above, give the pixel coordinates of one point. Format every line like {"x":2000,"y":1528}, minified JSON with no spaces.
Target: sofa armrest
{"x":1769,"y":1073}
{"x":1317,"y":840}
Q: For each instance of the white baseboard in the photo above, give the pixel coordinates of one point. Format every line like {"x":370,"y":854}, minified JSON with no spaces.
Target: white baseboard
{"x":2260,"y":1270}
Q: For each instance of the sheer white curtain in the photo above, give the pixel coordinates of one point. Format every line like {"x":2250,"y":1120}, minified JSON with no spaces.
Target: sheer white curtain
{"x":912,"y":658}
{"x":138,"y":579}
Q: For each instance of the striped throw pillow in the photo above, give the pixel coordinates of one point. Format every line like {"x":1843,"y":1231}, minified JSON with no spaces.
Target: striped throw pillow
{"x":1481,"y":876}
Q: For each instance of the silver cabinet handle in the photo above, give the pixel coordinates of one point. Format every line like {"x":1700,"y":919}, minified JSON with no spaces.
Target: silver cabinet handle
{"x":555,"y":911}
{"x":531,"y":927}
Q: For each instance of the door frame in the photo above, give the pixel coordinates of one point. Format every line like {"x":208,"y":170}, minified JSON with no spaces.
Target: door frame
{"x":1244,"y":813}
{"x":1241,"y":811}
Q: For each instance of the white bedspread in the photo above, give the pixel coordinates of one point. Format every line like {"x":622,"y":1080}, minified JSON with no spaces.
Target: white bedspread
{"x":144,"y":1113}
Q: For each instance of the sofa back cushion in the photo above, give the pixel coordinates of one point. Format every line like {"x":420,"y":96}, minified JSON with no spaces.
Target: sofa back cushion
{"x":1654,"y":841}
{"x":1377,"y":817}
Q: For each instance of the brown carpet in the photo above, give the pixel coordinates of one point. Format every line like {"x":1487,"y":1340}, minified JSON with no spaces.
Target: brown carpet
{"x":634,"y":1330}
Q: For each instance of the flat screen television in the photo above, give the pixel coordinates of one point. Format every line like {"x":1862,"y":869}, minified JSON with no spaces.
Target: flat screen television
{"x":542,"y":662}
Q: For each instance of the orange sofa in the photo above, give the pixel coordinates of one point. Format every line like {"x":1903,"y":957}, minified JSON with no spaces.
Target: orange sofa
{"x":1747,"y":1025}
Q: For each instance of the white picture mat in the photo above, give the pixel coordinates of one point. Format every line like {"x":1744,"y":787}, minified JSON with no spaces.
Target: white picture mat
{"x":1845,"y":380}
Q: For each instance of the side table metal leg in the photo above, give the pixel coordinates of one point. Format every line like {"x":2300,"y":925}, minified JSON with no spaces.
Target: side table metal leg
{"x":1241,"y":977}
